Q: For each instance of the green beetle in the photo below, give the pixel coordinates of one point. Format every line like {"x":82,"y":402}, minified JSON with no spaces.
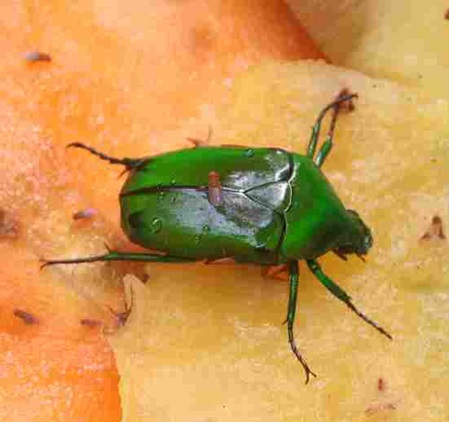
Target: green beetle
{"x":256,"y":205}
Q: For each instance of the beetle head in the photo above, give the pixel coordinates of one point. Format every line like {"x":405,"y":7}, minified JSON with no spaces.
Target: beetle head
{"x":358,"y":241}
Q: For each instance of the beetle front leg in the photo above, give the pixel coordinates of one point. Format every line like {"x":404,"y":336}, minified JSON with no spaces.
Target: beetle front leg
{"x":335,"y":106}
{"x":294,"y":281}
{"x":118,"y":256}
{"x":339,"y":293}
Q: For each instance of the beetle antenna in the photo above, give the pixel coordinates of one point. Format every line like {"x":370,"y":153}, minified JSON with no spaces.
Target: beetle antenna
{"x":129,"y":163}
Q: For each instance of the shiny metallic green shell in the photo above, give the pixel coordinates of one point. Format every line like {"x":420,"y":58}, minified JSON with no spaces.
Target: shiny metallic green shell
{"x":275,"y":206}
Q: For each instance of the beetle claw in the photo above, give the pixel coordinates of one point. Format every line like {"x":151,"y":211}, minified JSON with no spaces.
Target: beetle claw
{"x":295,"y":351}
{"x":348,"y":105}
{"x":308,"y":373}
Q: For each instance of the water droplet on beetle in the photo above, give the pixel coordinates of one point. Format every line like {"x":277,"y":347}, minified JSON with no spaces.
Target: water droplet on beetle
{"x":197,"y":239}
{"x":249,"y":153}
{"x":156,"y":225}
{"x":173,"y":182}
{"x":206,"y":228}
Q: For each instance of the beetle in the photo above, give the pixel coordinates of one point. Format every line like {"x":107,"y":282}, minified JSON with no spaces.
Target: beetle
{"x":264,"y":206}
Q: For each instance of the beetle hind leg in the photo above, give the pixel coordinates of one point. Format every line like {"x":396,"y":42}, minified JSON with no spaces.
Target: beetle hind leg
{"x":294,"y":281}
{"x":339,"y":293}
{"x":129,"y":163}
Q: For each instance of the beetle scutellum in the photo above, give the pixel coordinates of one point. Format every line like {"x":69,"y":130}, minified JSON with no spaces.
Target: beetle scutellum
{"x":256,"y":205}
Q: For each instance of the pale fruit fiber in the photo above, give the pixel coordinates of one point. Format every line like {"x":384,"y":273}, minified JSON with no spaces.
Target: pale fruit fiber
{"x":207,"y":342}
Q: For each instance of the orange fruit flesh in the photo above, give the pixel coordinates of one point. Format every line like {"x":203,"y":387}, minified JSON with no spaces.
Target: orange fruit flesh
{"x":116,"y":79}
{"x":53,"y":367}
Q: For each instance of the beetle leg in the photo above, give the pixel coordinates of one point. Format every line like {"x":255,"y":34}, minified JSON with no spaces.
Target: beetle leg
{"x":118,"y":256}
{"x":129,"y":163}
{"x":328,"y":142}
{"x":122,"y":317}
{"x":327,"y":146}
{"x":294,"y":281}
{"x":339,"y":293}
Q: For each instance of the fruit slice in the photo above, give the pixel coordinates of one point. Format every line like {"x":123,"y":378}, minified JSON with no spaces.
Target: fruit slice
{"x":207,"y":342}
